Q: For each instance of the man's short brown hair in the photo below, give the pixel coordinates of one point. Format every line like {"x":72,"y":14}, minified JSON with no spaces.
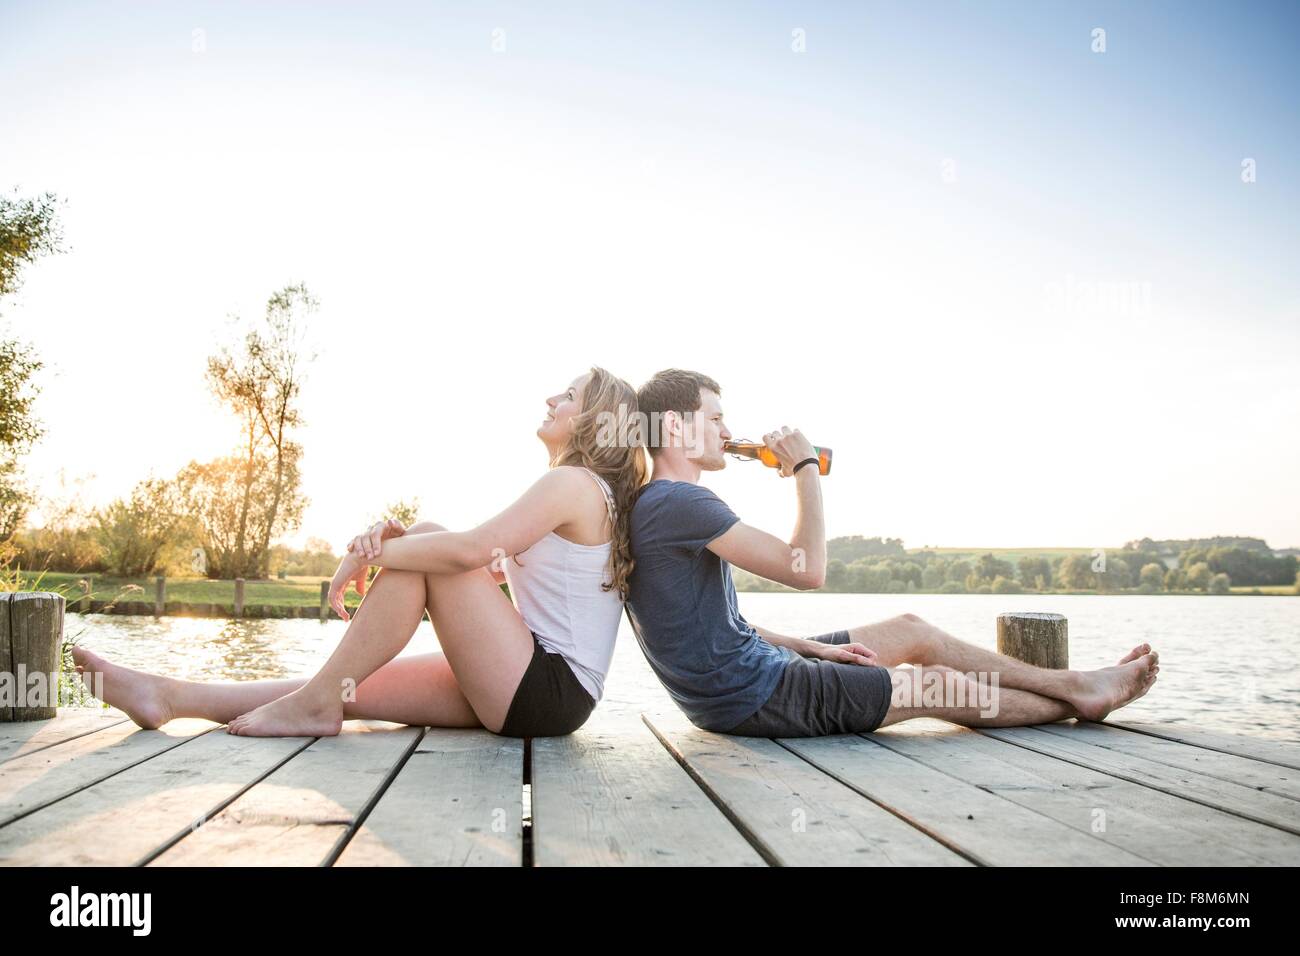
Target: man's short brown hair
{"x":672,"y":390}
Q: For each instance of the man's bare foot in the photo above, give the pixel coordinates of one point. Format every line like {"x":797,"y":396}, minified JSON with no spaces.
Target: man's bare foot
{"x":1135,"y":653}
{"x":296,"y":714}
{"x":141,"y":696}
{"x":1110,"y":688}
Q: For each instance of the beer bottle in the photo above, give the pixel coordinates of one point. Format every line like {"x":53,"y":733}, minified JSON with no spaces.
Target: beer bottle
{"x":760,"y":452}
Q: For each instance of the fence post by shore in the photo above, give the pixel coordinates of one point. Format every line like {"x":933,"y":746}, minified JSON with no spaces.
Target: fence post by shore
{"x":324,"y":600}
{"x":31,"y":642}
{"x":239,"y":597}
{"x":159,"y":595}
{"x":1038,"y":639}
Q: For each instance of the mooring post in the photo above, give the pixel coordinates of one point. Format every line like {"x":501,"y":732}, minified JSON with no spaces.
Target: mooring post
{"x":31,"y":643}
{"x":159,"y":595}
{"x":239,"y":597}
{"x":1035,"y":638}
{"x":324,"y":600}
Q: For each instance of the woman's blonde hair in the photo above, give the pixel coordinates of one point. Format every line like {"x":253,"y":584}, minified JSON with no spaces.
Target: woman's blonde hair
{"x":606,"y":438}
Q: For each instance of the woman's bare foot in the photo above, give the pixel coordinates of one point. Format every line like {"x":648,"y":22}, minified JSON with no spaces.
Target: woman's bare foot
{"x":300,"y":713}
{"x":141,"y":696}
{"x":1110,"y":688}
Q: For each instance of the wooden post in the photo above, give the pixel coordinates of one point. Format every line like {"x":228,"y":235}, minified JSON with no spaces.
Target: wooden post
{"x":31,"y":643}
{"x":239,"y":597}
{"x":324,"y":600}
{"x":1038,"y":639}
{"x":159,"y":595}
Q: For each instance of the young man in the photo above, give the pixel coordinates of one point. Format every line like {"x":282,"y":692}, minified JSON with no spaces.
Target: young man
{"x":732,"y":677}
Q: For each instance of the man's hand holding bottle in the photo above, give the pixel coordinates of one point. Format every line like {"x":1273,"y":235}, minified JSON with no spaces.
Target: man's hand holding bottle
{"x":790,"y":448}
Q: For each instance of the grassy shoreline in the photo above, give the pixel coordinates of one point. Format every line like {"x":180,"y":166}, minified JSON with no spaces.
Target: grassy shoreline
{"x":304,"y":591}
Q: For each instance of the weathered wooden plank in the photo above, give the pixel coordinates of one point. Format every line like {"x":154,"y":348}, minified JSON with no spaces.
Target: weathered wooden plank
{"x":1281,"y":752}
{"x":1247,"y":802}
{"x":27,"y":737}
{"x":301,"y":812}
{"x":985,"y":827}
{"x":456,"y":802}
{"x":1159,"y":827}
{"x":127,"y":818}
{"x":796,"y":814}
{"x":36,"y":780}
{"x":610,"y":794}
{"x":1249,"y":773}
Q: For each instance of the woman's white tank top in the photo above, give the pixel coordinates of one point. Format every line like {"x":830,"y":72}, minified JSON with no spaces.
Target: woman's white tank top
{"x":556,"y":586}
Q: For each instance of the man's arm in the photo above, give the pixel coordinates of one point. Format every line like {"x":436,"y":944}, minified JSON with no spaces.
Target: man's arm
{"x":800,"y":645}
{"x":800,"y":562}
{"x":808,"y":647}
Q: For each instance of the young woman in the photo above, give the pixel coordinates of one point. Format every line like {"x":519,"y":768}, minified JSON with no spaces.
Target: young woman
{"x":530,"y":669}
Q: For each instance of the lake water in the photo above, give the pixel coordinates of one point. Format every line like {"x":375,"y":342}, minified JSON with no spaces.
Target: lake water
{"x":1226,"y":663}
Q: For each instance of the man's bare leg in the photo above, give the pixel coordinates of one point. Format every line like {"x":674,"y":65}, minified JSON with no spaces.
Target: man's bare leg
{"x":908,"y":639}
{"x":948,"y":694}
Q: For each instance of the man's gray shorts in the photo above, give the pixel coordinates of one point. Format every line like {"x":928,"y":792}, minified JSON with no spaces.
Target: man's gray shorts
{"x":816,"y":698}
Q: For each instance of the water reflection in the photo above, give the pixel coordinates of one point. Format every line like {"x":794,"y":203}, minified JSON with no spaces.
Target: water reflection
{"x":210,"y":649}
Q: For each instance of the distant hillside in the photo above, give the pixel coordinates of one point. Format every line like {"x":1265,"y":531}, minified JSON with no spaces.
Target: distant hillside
{"x":1199,"y":565}
{"x":1179,"y":545}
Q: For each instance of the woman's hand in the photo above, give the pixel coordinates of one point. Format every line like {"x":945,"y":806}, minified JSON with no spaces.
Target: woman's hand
{"x":353,"y":568}
{"x":369,"y":543}
{"x":842,"y":653}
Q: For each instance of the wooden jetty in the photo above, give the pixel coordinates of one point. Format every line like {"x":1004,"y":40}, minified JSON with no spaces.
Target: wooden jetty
{"x":639,"y":786}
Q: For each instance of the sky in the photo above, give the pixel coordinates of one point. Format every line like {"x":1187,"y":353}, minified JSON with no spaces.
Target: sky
{"x":1035,"y":284}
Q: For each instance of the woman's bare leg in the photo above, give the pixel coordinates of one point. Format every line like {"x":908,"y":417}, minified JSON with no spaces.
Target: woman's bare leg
{"x":361,"y":679}
{"x":389,"y":614}
{"x":481,"y":633}
{"x":419,"y":689}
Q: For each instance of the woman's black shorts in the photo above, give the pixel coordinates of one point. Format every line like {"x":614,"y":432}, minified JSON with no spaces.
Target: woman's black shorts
{"x":549,"y":702}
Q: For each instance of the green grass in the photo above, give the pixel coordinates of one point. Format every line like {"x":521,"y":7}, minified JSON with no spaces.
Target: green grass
{"x":291,"y":592}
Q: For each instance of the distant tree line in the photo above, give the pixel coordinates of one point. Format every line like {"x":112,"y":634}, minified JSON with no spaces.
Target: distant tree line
{"x":882,"y":566}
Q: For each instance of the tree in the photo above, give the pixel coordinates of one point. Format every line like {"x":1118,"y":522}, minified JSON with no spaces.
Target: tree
{"x":988,"y":568}
{"x":1198,"y":576}
{"x":229,"y":511}
{"x":407,"y":512}
{"x":909,"y":572}
{"x":29,"y":228}
{"x":1152,"y":578}
{"x":1075,"y":572}
{"x":136,"y":533}
{"x":1220,"y":584}
{"x":1115,"y":577}
{"x":261,"y":380}
{"x":1033,"y":571}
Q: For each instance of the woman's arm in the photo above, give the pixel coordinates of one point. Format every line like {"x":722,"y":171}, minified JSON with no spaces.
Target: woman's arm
{"x":553,"y":500}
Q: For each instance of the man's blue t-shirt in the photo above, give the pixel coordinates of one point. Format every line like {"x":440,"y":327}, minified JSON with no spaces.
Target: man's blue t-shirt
{"x":682,"y":605}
